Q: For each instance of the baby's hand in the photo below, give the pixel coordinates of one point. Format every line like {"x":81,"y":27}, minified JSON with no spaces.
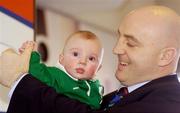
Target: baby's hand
{"x":28,"y":44}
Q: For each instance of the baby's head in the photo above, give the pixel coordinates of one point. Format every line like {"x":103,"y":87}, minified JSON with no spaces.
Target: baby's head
{"x":82,"y":55}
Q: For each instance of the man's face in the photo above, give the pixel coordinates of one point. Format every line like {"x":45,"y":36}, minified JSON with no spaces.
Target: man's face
{"x":81,"y":57}
{"x":137,"y":52}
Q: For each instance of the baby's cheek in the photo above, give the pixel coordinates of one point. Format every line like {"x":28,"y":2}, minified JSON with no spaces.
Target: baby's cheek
{"x":69,"y":67}
{"x":91,"y":70}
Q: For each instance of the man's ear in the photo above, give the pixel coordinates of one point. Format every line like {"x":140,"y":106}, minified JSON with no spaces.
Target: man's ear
{"x":61,"y":57}
{"x":167,"y":56}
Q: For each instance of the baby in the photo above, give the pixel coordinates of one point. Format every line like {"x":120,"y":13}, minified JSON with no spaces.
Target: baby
{"x":78,"y":63}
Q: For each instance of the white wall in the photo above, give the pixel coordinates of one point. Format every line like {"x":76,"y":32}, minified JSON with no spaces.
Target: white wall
{"x":58,"y":29}
{"x":14,"y":32}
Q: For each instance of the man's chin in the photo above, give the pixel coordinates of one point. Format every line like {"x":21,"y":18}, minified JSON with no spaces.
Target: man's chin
{"x":119,"y":76}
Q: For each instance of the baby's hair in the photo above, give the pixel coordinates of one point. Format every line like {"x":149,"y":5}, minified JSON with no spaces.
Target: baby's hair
{"x":84,"y":35}
{"x":87,"y":35}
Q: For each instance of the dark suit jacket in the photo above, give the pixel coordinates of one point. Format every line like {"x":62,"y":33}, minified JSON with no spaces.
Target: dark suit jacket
{"x":158,"y":96}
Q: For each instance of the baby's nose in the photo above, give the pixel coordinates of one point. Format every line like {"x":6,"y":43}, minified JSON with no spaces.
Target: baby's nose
{"x":83,"y":61}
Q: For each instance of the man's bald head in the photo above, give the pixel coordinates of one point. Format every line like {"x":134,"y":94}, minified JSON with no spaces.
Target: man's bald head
{"x":162,"y":21}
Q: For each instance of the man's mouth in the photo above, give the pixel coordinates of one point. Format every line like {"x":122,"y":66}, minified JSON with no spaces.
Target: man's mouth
{"x":80,"y":70}
{"x":122,"y":65}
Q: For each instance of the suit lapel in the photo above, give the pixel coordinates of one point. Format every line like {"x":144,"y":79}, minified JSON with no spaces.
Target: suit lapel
{"x":146,"y":89}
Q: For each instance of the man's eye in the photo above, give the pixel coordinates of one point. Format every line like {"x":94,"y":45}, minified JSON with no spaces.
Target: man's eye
{"x":92,"y":58}
{"x":130,"y":45}
{"x":75,"y":54}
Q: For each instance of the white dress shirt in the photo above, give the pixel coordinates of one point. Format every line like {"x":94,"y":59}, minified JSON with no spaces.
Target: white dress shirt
{"x":134,"y":87}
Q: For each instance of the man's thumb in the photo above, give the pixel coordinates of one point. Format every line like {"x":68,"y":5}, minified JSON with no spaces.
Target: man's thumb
{"x":28,"y":50}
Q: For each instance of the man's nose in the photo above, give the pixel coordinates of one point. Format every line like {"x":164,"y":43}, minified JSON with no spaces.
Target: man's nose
{"x":119,"y":48}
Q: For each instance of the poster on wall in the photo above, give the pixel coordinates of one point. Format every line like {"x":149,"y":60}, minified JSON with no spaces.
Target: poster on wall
{"x":16,"y":27}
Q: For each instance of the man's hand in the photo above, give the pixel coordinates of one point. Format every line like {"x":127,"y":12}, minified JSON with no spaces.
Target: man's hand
{"x":23,"y":46}
{"x":13,"y":65}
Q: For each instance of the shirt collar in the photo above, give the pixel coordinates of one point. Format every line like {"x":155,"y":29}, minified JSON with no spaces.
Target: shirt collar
{"x":134,"y":87}
{"x":61,"y":67}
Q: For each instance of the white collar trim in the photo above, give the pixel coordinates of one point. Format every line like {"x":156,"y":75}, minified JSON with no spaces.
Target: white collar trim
{"x":134,"y":87}
{"x":61,"y":67}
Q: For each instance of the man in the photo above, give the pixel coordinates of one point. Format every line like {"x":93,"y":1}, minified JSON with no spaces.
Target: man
{"x":148,"y":52}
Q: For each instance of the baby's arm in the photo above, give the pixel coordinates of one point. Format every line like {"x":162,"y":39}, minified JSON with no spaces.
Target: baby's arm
{"x":38,"y":69}
{"x":42,"y":72}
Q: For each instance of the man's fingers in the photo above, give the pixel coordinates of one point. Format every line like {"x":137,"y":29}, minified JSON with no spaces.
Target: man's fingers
{"x":35,"y":47}
{"x":28,"y":48}
{"x":21,"y":50}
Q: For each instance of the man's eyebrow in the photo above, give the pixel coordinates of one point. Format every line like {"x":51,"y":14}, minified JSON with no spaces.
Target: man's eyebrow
{"x":131,"y":37}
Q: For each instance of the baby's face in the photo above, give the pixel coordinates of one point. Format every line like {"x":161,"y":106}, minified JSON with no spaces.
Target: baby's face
{"x":81,"y":58}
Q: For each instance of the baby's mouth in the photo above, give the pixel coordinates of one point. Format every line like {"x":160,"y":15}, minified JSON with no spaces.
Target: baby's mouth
{"x":80,"y":70}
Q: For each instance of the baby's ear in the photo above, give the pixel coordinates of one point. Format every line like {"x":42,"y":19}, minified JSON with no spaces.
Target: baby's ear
{"x":99,"y":67}
{"x":61,"y":58}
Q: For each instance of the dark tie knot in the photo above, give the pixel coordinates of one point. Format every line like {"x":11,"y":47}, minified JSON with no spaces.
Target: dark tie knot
{"x":118,"y":96}
{"x":123,"y":91}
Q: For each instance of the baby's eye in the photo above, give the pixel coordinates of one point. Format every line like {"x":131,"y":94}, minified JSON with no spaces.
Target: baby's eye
{"x":92,"y":58}
{"x":75,"y":54}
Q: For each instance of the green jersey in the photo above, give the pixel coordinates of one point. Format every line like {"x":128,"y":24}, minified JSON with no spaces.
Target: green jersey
{"x":86,"y":91}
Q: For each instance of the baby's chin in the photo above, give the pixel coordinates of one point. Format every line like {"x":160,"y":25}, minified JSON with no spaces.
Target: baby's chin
{"x":90,"y":78}
{"x":82,"y":77}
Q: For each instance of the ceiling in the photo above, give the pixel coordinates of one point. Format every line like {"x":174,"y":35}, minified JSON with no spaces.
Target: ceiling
{"x":105,"y":14}
{"x":80,"y":6}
